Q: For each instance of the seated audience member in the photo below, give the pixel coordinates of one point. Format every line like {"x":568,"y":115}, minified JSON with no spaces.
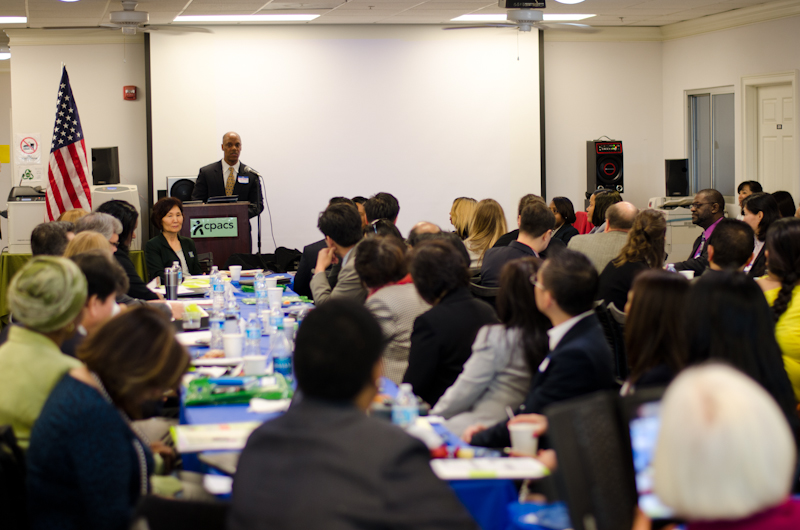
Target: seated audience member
{"x":72,"y":216}
{"x":599,"y":202}
{"x":89,"y":240}
{"x":782,"y":292}
{"x":341,"y":226}
{"x":106,"y":224}
{"x":727,"y":319}
{"x":725,"y":457}
{"x":372,"y":473}
{"x":381,"y":228}
{"x":46,"y":298}
{"x":654,"y":338}
{"x":488,"y":224}
{"x":565,"y":215}
{"x":50,"y":239}
{"x":105,"y":279}
{"x":707,"y":209}
{"x":730,"y":247}
{"x":505,"y":239}
{"x":602,"y":247}
{"x":392,"y":298}
{"x":643,"y":250}
{"x":785,"y":203}
{"x":461,"y":214}
{"x":498,"y":373}
{"x":359,"y":202}
{"x":535,"y":229}
{"x":442,"y":337}
{"x":580,"y":361}
{"x":87,"y":467}
{"x":170,"y":246}
{"x":308,"y":260}
{"x":127,"y":215}
{"x":422,"y":227}
{"x":382,"y":206}
{"x":759,"y":211}
{"x":747,"y":188}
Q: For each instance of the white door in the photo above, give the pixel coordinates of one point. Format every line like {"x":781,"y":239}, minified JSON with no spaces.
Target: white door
{"x":775,"y":140}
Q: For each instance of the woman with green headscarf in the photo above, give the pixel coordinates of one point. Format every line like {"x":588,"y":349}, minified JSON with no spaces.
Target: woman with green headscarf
{"x":46,"y":297}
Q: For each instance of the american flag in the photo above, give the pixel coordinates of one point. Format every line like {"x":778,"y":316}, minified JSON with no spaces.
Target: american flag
{"x":69,"y":167}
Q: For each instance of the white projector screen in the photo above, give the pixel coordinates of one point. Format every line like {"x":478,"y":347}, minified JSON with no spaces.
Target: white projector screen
{"x":323,"y":111}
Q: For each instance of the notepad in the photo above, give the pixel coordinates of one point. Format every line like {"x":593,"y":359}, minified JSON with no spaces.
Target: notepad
{"x":213,"y":437}
{"x":483,"y":468}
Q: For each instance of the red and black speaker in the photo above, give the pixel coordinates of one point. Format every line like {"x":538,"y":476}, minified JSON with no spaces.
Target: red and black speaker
{"x":604,"y":166}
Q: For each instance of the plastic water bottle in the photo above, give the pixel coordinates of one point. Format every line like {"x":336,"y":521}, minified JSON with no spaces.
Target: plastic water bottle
{"x":275,"y":320}
{"x":262,"y":300}
{"x":289,"y":329}
{"x":280,"y":350}
{"x":405,"y":410}
{"x":232,"y":316}
{"x":176,"y":266}
{"x":252,"y":339}
{"x":217,"y":289}
{"x":216,"y":321}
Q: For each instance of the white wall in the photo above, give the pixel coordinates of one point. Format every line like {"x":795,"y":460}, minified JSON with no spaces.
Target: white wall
{"x":425,"y":114}
{"x":722,"y":58}
{"x":603,"y":88}
{"x":6,"y":177}
{"x":98,"y":66}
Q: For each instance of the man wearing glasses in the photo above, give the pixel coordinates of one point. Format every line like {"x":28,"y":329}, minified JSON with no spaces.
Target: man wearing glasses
{"x":708,"y":209}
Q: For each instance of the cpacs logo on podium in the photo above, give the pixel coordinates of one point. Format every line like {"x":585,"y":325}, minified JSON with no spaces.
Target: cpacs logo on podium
{"x":214,"y":227}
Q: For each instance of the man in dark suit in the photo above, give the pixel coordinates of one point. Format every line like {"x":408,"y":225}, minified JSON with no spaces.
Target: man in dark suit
{"x":230,"y":177}
{"x":708,"y":208}
{"x":536,"y":223}
{"x":580,"y":361}
{"x":505,"y":239}
{"x":325,"y":463}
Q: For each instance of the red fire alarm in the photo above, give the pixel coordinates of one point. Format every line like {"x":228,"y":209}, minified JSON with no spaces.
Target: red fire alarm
{"x":129,"y":93}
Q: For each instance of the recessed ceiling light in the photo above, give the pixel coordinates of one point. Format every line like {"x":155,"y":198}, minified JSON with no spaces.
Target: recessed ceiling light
{"x":566,"y":18}
{"x":13,"y":20}
{"x":479,"y":18}
{"x":569,"y":1}
{"x":245,"y":18}
{"x":69,"y":0}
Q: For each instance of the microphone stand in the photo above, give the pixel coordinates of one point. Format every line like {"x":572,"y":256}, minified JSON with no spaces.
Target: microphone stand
{"x":258,"y":222}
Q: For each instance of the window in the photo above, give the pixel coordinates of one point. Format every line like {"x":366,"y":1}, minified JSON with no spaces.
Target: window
{"x":711,"y":139}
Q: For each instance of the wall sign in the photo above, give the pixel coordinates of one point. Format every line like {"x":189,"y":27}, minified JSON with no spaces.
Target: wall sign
{"x":27,"y":148}
{"x":214,"y":227}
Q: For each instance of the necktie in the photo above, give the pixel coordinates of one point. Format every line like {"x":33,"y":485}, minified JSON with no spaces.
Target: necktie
{"x":230,"y":182}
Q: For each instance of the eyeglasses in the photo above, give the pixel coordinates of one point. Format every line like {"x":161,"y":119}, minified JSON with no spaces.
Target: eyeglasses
{"x":115,"y":245}
{"x":696,"y":205}
{"x":537,"y":283}
{"x":374,"y":225}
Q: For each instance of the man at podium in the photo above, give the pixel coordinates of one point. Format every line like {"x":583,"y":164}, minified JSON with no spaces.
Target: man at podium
{"x":230,"y":177}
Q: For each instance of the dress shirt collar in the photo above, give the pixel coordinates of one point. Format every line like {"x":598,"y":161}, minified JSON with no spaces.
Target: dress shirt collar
{"x":524,"y":248}
{"x":708,"y":231}
{"x":347,"y":256}
{"x":556,"y":333}
{"x":225,"y":167}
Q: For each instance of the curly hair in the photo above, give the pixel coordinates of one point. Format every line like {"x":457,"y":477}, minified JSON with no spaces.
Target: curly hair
{"x":645,"y":240}
{"x":783,"y":245}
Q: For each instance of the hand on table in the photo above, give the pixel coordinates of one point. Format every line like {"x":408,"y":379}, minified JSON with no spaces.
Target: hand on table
{"x":539,"y":421}
{"x":167,"y":454}
{"x":325,"y":258}
{"x":471,"y":431}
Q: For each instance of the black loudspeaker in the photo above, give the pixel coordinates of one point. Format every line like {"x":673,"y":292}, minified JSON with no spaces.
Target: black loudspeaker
{"x":105,"y":165}
{"x":676,"y":172}
{"x":181,"y":187}
{"x":604,"y":166}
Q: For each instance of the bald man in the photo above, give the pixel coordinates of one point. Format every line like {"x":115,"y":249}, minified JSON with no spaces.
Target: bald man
{"x":230,"y":177}
{"x":602,"y":247}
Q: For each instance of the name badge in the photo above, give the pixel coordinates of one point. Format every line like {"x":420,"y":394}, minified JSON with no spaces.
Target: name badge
{"x":545,"y":364}
{"x":191,"y":254}
{"x":243,"y":180}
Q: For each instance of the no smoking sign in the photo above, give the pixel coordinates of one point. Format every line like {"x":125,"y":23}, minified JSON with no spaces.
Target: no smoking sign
{"x":29,"y":146}
{"x":28,"y":151}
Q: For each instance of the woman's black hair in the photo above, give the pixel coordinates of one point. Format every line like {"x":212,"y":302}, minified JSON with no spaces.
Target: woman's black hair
{"x":765,"y":203}
{"x":564,"y":207}
{"x":783,"y":245}
{"x":785,"y":203}
{"x":126,"y":214}
{"x":602,"y":200}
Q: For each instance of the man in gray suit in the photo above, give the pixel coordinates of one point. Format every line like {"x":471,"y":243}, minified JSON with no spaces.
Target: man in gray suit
{"x":602,"y":247}
{"x":325,"y":464}
{"x":341,"y":225}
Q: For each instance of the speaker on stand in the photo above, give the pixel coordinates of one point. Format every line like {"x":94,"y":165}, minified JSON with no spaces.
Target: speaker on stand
{"x":676,"y":173}
{"x":105,"y":165}
{"x":604,"y":166}
{"x":181,"y":187}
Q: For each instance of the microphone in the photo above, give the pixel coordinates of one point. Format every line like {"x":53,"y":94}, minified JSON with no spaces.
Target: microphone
{"x":251,"y":170}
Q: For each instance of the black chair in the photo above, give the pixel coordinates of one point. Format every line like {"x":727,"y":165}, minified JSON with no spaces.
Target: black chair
{"x":615,"y":336}
{"x":487,"y":294}
{"x":13,"y":504}
{"x":206,"y":261}
{"x":159,"y":513}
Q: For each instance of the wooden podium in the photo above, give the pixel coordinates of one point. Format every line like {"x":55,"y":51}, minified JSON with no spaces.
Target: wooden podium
{"x":223,"y":229}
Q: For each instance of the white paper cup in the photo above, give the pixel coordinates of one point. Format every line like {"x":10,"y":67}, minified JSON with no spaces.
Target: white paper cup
{"x":271,"y":282}
{"x":236,"y":272}
{"x":255,"y":364}
{"x":689,"y":275}
{"x":275,"y":294}
{"x":523,"y":441}
{"x":233,"y":343}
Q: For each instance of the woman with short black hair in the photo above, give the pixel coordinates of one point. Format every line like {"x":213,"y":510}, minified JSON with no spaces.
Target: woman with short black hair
{"x":169,"y":246}
{"x":565,"y":215}
{"x":759,"y":211}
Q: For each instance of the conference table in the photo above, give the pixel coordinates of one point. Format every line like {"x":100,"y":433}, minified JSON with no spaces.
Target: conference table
{"x":491,"y":502}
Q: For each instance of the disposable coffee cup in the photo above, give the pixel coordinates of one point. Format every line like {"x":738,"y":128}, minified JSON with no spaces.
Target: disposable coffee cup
{"x":523,"y":442}
{"x":255,"y":364}
{"x":275,"y":295}
{"x":233,"y":344}
{"x":689,"y":275}
{"x":236,"y":272}
{"x":271,"y":282}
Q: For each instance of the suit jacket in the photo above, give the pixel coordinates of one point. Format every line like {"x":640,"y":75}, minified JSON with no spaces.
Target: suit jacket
{"x":441,"y":342}
{"x":137,"y":288}
{"x":505,"y":239}
{"x":361,"y":472}
{"x":566,"y":233}
{"x":211,"y":183}
{"x":159,"y":255}
{"x":580,"y":364}
{"x":497,"y":257}
{"x":615,"y":282}
{"x":759,"y":267}
{"x":348,"y":285}
{"x":305,"y":270}
{"x":600,"y":247}
{"x":699,"y":264}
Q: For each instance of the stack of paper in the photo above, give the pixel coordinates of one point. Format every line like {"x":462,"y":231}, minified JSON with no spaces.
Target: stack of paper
{"x":218,"y":436}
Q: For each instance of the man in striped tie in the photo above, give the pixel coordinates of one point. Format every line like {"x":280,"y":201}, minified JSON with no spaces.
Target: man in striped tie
{"x":230,"y":177}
